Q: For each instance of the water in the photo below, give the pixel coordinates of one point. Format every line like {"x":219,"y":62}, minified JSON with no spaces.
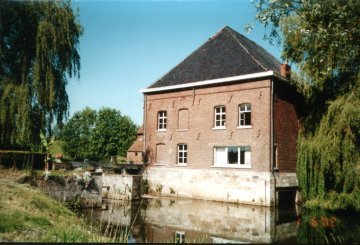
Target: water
{"x":186,"y":220}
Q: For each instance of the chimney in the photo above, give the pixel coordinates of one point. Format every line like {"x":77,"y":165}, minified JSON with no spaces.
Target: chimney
{"x":285,"y":71}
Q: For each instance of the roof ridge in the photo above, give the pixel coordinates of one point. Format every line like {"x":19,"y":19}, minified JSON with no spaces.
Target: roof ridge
{"x":243,"y":46}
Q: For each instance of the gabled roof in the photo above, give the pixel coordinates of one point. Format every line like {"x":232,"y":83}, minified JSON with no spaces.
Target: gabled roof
{"x":137,"y":146}
{"x":226,"y":54}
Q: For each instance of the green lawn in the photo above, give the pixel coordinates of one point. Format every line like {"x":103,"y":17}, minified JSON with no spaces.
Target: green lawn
{"x":28,"y":215}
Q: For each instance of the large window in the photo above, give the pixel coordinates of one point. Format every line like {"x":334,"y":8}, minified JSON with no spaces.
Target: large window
{"x":182,"y":154}
{"x":220,"y":116}
{"x":162,"y":120}
{"x":238,"y":156}
{"x":245,"y":115}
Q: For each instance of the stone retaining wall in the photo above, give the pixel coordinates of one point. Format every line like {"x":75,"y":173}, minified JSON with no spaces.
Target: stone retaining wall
{"x":218,"y":184}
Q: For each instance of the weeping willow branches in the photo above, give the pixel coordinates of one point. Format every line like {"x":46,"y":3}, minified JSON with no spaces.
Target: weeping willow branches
{"x":38,"y":53}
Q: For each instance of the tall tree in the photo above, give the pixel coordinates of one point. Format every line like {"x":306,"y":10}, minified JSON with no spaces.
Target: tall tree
{"x":322,"y":38}
{"x":98,"y":134}
{"x":78,"y":135}
{"x":38,"y":52}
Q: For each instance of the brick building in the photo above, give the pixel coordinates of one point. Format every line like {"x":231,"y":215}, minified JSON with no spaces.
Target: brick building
{"x":135,"y":152}
{"x":222,"y":125}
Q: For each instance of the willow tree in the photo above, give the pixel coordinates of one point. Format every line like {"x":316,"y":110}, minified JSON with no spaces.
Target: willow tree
{"x":322,"y":38}
{"x":38,"y":54}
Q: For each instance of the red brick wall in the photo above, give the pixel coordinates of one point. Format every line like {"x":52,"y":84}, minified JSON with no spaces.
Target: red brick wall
{"x":200,"y":137}
{"x":286,"y":130}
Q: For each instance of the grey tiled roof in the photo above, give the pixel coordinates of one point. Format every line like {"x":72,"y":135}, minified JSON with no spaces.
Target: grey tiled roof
{"x":226,"y":54}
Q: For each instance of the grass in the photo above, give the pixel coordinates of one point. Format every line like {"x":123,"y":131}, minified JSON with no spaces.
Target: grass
{"x":27,"y":215}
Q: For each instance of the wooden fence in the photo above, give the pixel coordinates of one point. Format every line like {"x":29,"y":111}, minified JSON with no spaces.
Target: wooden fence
{"x":22,"y":159}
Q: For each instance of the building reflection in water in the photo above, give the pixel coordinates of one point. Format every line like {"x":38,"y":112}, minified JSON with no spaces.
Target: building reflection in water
{"x":188,"y":220}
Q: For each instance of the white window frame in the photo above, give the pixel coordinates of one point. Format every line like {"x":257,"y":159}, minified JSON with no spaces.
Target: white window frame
{"x":242,"y":121}
{"x":221,"y":157}
{"x":181,"y":158}
{"x":222,"y":117}
{"x":181,"y":235}
{"x":162,"y":120}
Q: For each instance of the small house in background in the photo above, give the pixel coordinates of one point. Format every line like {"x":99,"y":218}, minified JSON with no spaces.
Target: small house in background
{"x":222,"y":125}
{"x":135,"y":152}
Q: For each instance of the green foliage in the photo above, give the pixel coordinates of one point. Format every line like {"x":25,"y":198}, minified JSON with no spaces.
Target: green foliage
{"x":329,"y":160}
{"x":98,"y":134}
{"x":77,"y":135}
{"x":38,"y":52}
{"x":46,"y":143}
{"x":321,"y":38}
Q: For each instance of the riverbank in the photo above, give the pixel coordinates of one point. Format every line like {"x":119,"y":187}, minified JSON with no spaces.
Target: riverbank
{"x":28,"y":215}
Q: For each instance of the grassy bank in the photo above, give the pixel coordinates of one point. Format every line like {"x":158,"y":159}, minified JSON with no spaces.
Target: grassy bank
{"x":27,"y":215}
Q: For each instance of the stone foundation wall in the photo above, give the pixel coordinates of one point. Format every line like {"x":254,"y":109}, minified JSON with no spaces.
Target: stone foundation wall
{"x":218,"y":184}
{"x":121,"y":187}
{"x":227,"y":185}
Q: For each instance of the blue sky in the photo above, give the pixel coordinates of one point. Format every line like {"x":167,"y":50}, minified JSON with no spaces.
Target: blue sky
{"x":128,"y":45}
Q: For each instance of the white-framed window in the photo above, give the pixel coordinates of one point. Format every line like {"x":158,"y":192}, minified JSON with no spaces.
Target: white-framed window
{"x":220,"y":117}
{"x":162,"y":120}
{"x":245,"y":115}
{"x":179,"y":237}
{"x":182,"y":154}
{"x":232,"y":156}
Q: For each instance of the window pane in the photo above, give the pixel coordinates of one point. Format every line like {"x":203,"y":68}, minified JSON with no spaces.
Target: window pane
{"x":245,"y":155}
{"x":220,"y":155}
{"x":247,"y":118}
{"x":233,"y":155}
{"x":242,"y":156}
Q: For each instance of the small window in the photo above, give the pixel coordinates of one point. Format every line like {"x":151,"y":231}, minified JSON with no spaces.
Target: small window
{"x":182,"y":154}
{"x":245,"y":115}
{"x":238,"y":156}
{"x":220,"y":116}
{"x":179,"y":237}
{"x":162,"y":120}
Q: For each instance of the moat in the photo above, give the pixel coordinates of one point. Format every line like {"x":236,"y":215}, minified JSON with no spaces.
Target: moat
{"x":187,"y":220}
